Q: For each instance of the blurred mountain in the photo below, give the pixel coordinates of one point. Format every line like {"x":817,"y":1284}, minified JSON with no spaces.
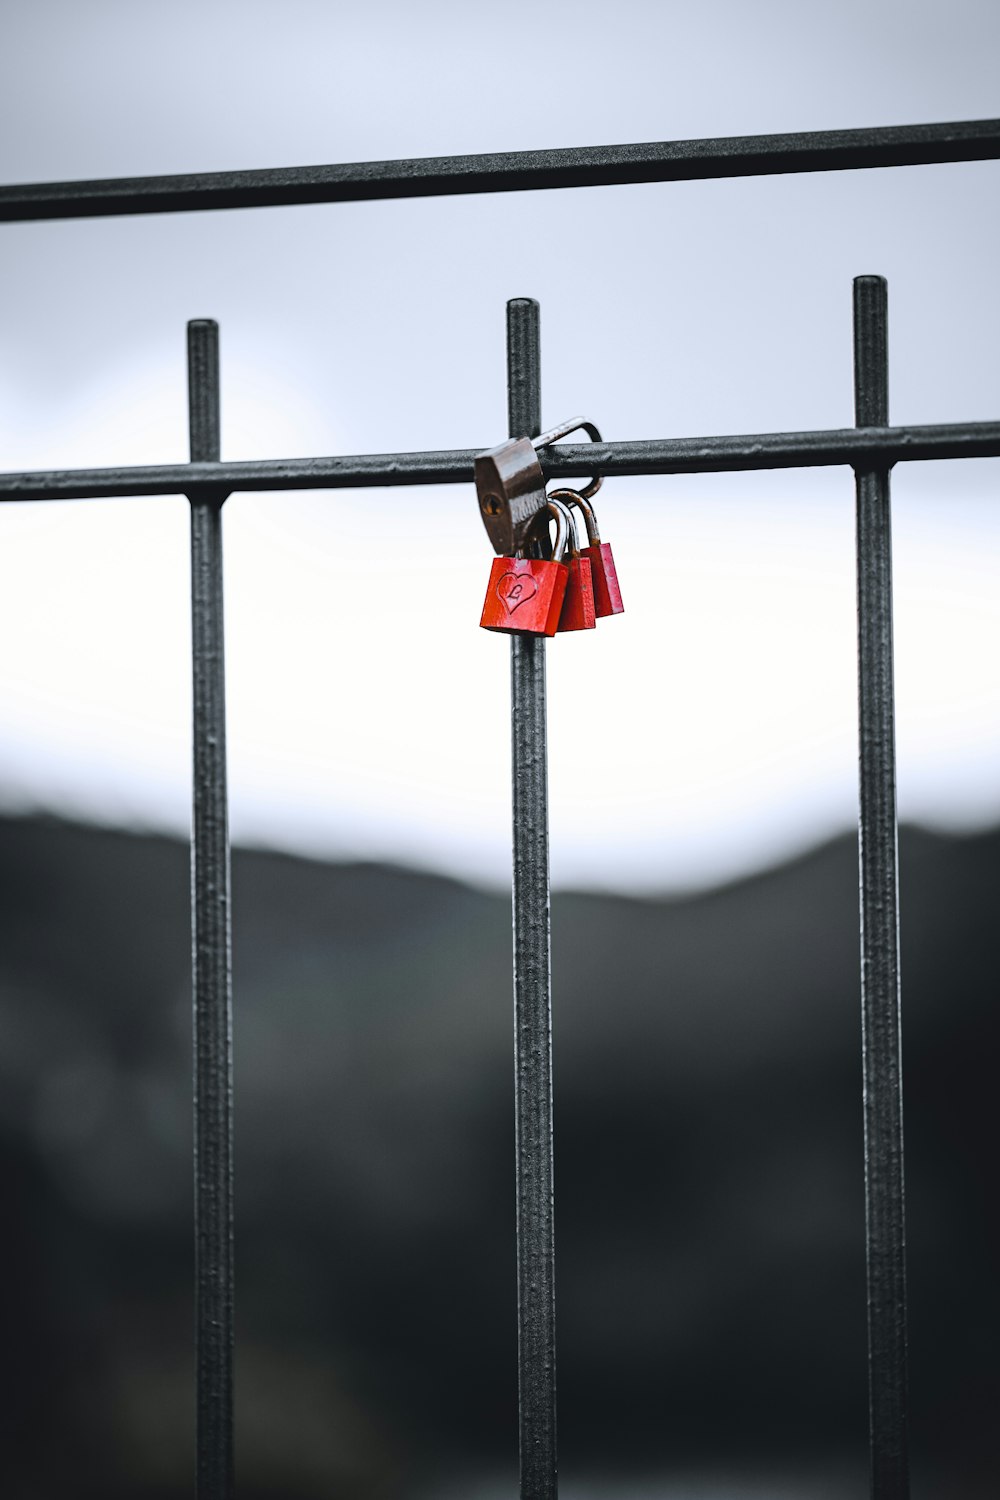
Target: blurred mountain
{"x":708,"y":1168}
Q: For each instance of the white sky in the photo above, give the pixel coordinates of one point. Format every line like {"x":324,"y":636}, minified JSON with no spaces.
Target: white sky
{"x":710,"y":728}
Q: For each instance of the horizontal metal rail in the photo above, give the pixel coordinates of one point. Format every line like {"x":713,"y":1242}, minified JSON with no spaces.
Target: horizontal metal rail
{"x":510,"y":171}
{"x":705,"y":455}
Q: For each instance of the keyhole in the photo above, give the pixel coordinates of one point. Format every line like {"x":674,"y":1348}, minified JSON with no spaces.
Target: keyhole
{"x":491,"y":505}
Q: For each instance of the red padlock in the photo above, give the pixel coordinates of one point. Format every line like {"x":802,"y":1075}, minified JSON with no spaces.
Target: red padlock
{"x":578,"y":604}
{"x":525,"y":594}
{"x":607,"y":594}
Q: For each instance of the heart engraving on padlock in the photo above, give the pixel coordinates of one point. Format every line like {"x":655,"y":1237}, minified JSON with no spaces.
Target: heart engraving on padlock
{"x":539,"y":583}
{"x":516,"y":589}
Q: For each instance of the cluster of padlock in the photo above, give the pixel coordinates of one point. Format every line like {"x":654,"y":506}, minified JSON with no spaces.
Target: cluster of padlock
{"x":541,"y":586}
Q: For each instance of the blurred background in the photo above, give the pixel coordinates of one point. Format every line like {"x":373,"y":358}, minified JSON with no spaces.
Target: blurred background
{"x":710,"y":1196}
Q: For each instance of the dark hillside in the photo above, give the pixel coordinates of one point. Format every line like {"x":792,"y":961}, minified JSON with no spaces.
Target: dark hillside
{"x":708,"y":1166}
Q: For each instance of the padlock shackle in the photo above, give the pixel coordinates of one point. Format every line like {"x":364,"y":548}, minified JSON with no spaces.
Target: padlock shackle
{"x":564,"y":429}
{"x":574,"y":497}
{"x":564,"y":526}
{"x":575,"y":424}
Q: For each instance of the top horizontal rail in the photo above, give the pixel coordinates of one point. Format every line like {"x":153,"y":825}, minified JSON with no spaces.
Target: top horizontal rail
{"x":860,"y":447}
{"x":509,"y":171}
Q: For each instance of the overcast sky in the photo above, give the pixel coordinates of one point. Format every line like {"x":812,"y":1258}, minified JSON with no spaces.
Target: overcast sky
{"x":711,"y":727}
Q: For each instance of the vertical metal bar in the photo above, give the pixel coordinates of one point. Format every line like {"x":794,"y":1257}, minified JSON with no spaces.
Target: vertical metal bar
{"x":211,"y":949}
{"x":880,"y":990}
{"x":536,"y":1332}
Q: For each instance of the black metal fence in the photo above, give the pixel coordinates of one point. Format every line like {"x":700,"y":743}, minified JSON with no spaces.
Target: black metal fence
{"x":871,"y":448}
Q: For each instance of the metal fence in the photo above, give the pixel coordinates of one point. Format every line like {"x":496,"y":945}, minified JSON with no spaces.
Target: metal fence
{"x":871,"y":448}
